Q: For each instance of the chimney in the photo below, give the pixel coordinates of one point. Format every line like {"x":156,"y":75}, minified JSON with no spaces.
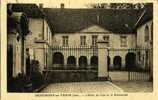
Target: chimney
{"x":62,"y":5}
{"x":98,"y":18}
{"x":41,"y":5}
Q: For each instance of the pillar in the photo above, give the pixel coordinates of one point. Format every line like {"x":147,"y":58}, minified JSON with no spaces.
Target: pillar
{"x":102,"y":60}
{"x":77,"y":60}
{"x":65,"y":61}
{"x":88,"y":62}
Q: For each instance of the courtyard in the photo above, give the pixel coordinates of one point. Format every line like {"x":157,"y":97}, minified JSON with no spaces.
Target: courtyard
{"x":82,"y":87}
{"x":89,"y":50}
{"x":99,"y":87}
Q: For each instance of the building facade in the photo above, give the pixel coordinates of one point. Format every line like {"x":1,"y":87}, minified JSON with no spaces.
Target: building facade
{"x":77,"y":32}
{"x":88,"y":38}
{"x":37,"y":42}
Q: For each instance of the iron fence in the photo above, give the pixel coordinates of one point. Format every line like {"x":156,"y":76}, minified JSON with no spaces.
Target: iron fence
{"x":137,"y":62}
{"x":76,"y":59}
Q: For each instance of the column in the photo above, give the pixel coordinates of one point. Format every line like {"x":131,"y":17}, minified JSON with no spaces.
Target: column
{"x":88,"y":62}
{"x":77,"y":64}
{"x":65,"y":61}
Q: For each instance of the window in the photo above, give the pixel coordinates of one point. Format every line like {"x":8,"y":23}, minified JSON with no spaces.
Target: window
{"x":106,"y":38}
{"x":65,"y":40}
{"x":83,"y":40}
{"x":146,"y":34}
{"x":94,"y":39}
{"x":123,"y":41}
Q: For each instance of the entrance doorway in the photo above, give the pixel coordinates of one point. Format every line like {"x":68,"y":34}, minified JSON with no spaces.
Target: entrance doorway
{"x":130,"y":61}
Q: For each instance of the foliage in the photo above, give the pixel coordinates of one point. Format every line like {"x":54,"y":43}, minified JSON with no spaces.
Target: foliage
{"x":18,"y":83}
{"x":23,"y":83}
{"x":37,"y":78}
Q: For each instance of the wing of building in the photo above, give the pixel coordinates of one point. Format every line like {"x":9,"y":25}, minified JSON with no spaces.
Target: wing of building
{"x":37,"y":42}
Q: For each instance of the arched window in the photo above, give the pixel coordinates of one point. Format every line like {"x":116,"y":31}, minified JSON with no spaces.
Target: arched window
{"x":146,"y":33}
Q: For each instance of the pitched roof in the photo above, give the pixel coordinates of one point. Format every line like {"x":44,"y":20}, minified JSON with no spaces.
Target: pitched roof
{"x":145,"y":16}
{"x":73,"y":20}
{"x":31,"y":10}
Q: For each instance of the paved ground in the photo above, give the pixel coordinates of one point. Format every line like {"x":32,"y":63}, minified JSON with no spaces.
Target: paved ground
{"x":82,"y":87}
{"x":119,"y":83}
{"x":134,"y":86}
{"x":102,"y":87}
{"x":119,"y":75}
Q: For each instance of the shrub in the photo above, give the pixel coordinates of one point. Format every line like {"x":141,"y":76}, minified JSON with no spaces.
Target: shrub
{"x":18,"y":83}
{"x":37,"y":78}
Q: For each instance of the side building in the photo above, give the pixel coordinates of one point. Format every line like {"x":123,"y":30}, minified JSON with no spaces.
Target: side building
{"x":39,"y":38}
{"x":144,"y":27}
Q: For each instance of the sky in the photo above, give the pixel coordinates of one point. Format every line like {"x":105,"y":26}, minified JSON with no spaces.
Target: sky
{"x":56,"y":3}
{"x":67,"y":3}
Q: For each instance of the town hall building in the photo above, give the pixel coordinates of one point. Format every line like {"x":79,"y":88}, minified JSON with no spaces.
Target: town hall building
{"x":77,"y":32}
{"x":90,"y":41}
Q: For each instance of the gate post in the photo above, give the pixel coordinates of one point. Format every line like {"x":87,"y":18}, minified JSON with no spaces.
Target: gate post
{"x":102,"y":60}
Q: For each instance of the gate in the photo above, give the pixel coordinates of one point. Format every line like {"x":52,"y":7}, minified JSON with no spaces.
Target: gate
{"x":130,"y":64}
{"x":80,"y":63}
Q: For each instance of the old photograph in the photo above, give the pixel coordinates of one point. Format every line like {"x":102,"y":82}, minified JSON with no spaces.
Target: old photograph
{"x":90,"y":48}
